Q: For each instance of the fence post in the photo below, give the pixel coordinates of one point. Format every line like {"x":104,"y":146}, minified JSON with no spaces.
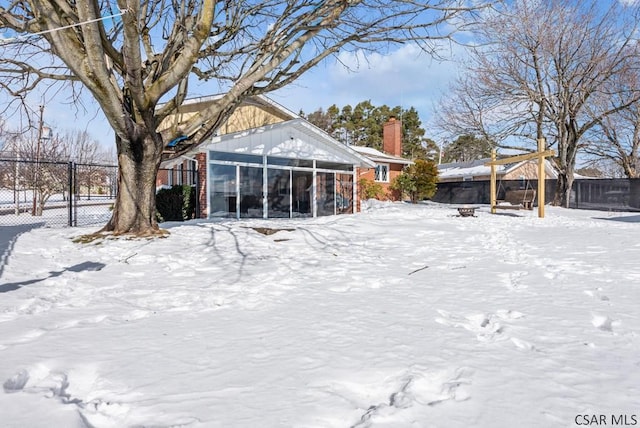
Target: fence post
{"x":75,"y":194}
{"x":70,"y":193}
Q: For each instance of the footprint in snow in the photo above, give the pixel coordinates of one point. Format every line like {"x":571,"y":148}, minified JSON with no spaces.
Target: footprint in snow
{"x":597,"y":294}
{"x":418,"y":388}
{"x":603,"y":322}
{"x":484,"y":326}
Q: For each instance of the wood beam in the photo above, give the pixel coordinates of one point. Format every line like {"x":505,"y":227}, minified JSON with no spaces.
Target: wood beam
{"x":519,"y":158}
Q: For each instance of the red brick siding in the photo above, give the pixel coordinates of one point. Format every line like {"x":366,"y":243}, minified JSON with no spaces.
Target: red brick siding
{"x":202,"y":180}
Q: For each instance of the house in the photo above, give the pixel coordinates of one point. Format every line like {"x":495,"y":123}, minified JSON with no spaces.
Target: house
{"x":266,"y":162}
{"x":388,"y":164}
{"x":477,"y":170}
{"x":468,"y":182}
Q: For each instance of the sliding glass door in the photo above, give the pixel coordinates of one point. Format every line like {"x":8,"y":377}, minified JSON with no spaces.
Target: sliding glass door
{"x":223,"y":191}
{"x":251,"y":203}
{"x":302,"y":193}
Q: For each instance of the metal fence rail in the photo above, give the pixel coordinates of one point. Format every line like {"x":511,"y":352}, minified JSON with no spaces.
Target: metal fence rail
{"x":56,"y":193}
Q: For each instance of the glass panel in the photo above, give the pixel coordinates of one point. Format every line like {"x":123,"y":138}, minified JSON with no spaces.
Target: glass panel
{"x":334,"y":165}
{"x":235,"y":157}
{"x":279,"y":192}
{"x":301,"y":193}
{"x":344,"y":193}
{"x":251,"y":192}
{"x":290,"y":162}
{"x":325,"y":191}
{"x":223,"y":191}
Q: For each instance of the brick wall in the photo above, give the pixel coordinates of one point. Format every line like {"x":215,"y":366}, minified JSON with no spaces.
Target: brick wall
{"x":392,"y":137}
{"x":202,"y":180}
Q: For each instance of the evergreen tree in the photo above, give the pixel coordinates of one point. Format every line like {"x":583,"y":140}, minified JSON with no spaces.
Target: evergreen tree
{"x":417,"y":181}
{"x":363,"y":125}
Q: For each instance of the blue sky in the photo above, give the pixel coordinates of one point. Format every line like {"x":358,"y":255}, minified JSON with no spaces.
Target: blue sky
{"x":406,"y":77}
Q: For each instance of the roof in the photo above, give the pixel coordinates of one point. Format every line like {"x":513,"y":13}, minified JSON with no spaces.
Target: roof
{"x":294,"y":138}
{"x":183,"y":143}
{"x":478,"y":167}
{"x":378,"y":156}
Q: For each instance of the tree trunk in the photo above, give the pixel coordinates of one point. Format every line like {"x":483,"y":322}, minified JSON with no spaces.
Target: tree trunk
{"x":562,"y":196}
{"x":134,"y":212}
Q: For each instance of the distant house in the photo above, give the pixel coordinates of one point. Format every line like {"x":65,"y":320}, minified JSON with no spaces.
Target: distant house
{"x":265,"y":162}
{"x":476,"y":170}
{"x":388,"y":165}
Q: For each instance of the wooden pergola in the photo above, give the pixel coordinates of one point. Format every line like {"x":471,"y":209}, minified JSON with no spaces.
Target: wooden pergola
{"x":541,"y":154}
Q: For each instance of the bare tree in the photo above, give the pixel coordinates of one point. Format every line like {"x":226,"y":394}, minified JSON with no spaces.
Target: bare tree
{"x":135,"y":58}
{"x":36,"y":167}
{"x":540,"y":70}
{"x":42,"y":167}
{"x":616,"y":137}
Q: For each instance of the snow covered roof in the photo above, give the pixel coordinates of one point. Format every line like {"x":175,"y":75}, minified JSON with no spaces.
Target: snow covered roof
{"x":478,"y":167}
{"x":378,"y":156}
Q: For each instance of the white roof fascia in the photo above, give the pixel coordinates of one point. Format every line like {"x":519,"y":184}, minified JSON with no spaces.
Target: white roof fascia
{"x":378,"y":156}
{"x":278,"y":106}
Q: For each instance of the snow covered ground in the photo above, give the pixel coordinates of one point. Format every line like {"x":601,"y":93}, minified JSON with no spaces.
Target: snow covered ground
{"x":401,"y":316}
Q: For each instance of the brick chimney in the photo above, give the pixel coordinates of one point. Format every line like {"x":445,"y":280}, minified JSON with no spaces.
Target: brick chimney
{"x":392,"y":137}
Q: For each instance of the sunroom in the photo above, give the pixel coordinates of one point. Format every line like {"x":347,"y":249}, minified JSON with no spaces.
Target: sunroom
{"x":284,"y":170}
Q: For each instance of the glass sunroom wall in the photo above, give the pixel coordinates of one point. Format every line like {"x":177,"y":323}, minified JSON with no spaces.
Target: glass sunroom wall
{"x":279,"y":193}
{"x":344,"y":193}
{"x":325,"y":192}
{"x":251,"y":205}
{"x":223,"y":191}
{"x":302,"y":193}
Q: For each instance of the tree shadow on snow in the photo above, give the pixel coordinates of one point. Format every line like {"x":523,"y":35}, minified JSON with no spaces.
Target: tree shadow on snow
{"x":80,"y":267}
{"x":624,"y":219}
{"x":8,"y":237}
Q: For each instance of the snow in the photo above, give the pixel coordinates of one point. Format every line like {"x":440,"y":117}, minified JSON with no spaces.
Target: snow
{"x":400,"y":316}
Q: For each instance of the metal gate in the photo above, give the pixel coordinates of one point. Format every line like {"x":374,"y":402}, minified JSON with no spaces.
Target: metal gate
{"x":56,"y":193}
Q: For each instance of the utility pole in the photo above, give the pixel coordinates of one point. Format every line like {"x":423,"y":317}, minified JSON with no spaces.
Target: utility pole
{"x":35,"y":175}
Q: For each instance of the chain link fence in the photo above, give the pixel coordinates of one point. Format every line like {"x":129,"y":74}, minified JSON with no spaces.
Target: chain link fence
{"x":56,"y":193}
{"x":595,"y":194}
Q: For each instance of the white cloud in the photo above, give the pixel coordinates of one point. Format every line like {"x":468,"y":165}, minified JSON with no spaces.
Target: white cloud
{"x":407,"y":76}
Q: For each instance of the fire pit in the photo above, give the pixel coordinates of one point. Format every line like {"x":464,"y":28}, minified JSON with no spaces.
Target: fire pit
{"x":467,"y":211}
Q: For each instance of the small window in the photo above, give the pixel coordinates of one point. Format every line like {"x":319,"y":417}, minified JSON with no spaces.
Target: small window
{"x":235,"y":157}
{"x":334,"y":166}
{"x":179,"y":175}
{"x":382,"y":172}
{"x":290,"y":162}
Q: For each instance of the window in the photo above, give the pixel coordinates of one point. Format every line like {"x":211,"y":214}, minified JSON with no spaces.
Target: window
{"x":179,"y":175}
{"x":326,"y":193}
{"x":305,"y":163}
{"x":334,"y":166}
{"x":251,"y":204}
{"x":191,"y":172}
{"x":223,"y":195}
{"x":382,"y":172}
{"x":235,"y":157}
